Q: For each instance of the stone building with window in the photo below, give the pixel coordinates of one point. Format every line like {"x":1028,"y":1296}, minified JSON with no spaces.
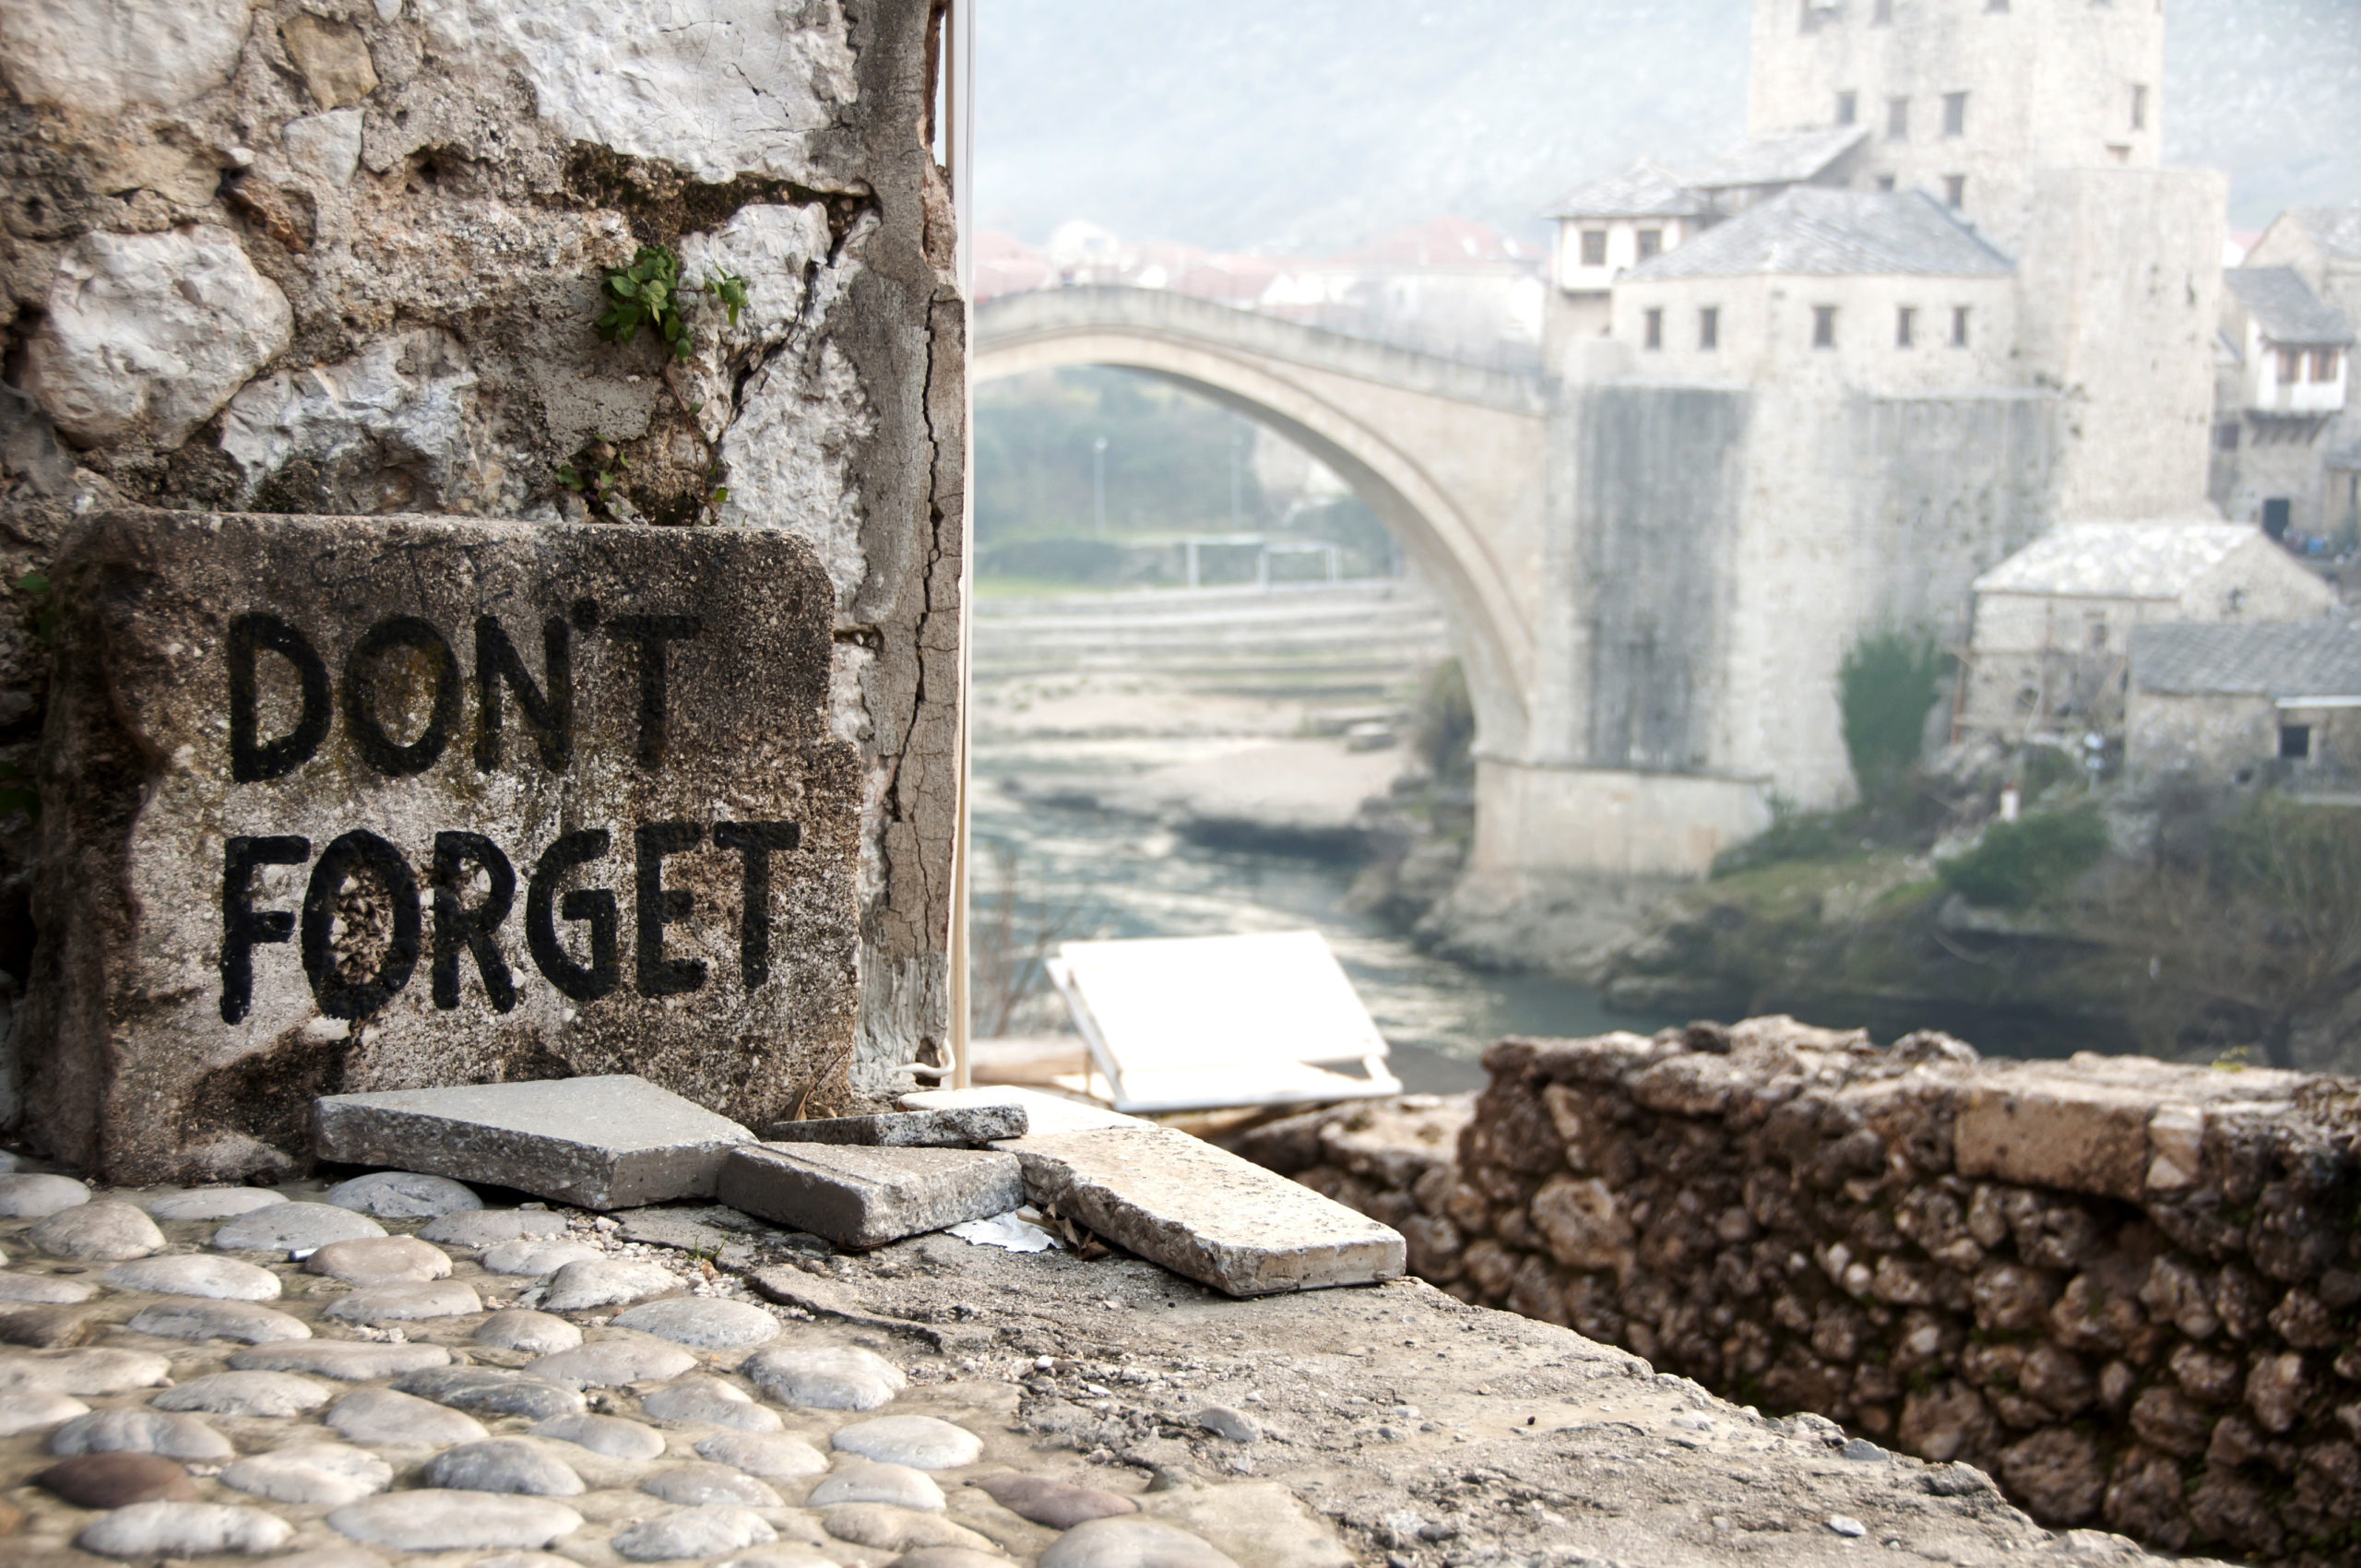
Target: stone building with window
{"x":2283,"y":358}
{"x":1607,"y":226}
{"x":2244,"y":703}
{"x":2287,"y":442}
{"x":2055,"y":623}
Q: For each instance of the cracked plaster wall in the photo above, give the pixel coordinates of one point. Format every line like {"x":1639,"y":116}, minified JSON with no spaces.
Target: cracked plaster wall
{"x":342,"y":256}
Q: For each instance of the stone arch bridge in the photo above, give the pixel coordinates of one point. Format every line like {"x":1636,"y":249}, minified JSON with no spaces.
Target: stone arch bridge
{"x":1650,"y":631}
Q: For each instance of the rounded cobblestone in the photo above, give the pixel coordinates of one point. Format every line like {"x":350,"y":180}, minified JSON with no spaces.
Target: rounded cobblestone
{"x":404,"y":1194}
{"x":197,"y":1274}
{"x":35,"y":1196}
{"x":212,"y":1203}
{"x":104,"y":1231}
{"x":293,"y":1228}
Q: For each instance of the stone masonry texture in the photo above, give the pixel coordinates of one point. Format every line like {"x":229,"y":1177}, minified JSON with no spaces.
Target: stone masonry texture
{"x":2128,"y":1291}
{"x":597,"y":755}
{"x":338,"y":258}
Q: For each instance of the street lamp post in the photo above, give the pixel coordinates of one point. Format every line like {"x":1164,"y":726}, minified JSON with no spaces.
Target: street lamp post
{"x":1099,"y":487}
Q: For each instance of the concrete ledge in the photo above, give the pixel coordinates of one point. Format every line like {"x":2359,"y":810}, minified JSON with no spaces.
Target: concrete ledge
{"x":1205,"y":1214}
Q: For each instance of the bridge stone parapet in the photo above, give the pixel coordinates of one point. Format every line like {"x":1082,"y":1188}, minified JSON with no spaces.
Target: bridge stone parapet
{"x":2124,"y":1287}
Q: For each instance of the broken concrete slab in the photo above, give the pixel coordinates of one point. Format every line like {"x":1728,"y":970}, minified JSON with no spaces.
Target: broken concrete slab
{"x":505,"y":800}
{"x":1204,"y":1213}
{"x":962,"y":1127}
{"x":865,"y":1197}
{"x":1044,"y":1113}
{"x":610,"y":1142}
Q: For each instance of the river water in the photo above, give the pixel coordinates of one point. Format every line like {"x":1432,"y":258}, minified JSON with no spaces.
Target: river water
{"x":1102,"y":874}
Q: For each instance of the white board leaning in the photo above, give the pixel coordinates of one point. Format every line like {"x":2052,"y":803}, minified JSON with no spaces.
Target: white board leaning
{"x":1201,"y":1023}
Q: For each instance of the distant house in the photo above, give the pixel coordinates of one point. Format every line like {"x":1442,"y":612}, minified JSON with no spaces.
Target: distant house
{"x":2317,"y":480}
{"x":2050,"y":648}
{"x":1886,"y":294}
{"x":2284,"y":363}
{"x":2230,"y":703}
{"x":1608,"y":226}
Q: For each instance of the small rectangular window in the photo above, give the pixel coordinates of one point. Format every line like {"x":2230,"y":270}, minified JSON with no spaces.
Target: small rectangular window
{"x":1885,"y":181}
{"x":2291,"y":366}
{"x":2324,"y":364}
{"x":1651,"y":243}
{"x":2226,"y":438}
{"x":1897,"y":119}
{"x":1905,"y":327}
{"x":2094,"y":629}
{"x":1954,"y":113}
{"x":1656,"y":327}
{"x":1849,"y":108}
{"x":1824,"y":326}
{"x":1594,"y":247}
{"x":2294,"y":743}
{"x":1959,"y":327}
{"x":2138,"y":108}
{"x":1882,"y":14}
{"x":1995,"y":5}
{"x":1955,"y":191}
{"x":1709,"y":327}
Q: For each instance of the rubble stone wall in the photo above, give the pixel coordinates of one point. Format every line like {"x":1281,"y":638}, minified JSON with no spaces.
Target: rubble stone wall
{"x":344,"y":256}
{"x":2129,"y":1290}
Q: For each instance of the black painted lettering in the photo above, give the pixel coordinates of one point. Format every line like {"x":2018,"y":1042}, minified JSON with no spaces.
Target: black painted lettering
{"x":658,"y":905}
{"x":548,"y":715}
{"x":754,"y":841}
{"x":649,"y":634}
{"x":242,"y":925}
{"x":252,"y":759}
{"x":459,"y":928}
{"x":353,"y":856}
{"x":595,"y":905}
{"x":368,"y":735}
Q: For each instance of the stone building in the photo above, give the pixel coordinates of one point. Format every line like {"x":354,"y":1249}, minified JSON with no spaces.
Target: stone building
{"x":1942,"y":299}
{"x":2054,"y":623}
{"x":2287,"y":445}
{"x":346,"y":260}
{"x":2235,"y":704}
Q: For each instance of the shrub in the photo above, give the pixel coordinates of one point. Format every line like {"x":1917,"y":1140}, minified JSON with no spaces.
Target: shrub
{"x":2020,"y":864}
{"x":1885,"y":687}
{"x":1794,"y":835}
{"x":1443,"y":724}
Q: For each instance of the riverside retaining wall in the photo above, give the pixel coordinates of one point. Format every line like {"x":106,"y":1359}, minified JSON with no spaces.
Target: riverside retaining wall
{"x":2127,"y":1289}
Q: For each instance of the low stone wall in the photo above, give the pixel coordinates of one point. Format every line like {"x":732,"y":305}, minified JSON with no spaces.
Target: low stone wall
{"x":2125,"y":1289}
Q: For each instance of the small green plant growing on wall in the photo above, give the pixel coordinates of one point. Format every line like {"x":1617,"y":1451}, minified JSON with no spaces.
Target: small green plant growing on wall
{"x":650,"y":294}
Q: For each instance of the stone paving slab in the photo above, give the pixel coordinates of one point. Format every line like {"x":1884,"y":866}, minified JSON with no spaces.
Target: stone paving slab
{"x":865,"y":1197}
{"x":1205,"y":1214}
{"x":611,"y":1142}
{"x":1044,"y":1113}
{"x":946,"y":1127}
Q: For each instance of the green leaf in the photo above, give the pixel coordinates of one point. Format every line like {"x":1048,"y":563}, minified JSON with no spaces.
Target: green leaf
{"x":35,"y":583}
{"x":721,"y":493}
{"x":568,"y":478}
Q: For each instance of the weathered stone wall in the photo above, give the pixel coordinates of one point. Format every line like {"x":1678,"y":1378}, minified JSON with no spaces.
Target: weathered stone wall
{"x":343,"y":256}
{"x":2129,"y":1290}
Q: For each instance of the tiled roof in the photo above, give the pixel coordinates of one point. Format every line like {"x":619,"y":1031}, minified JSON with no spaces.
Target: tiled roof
{"x":2312,"y":659}
{"x":2337,"y":229}
{"x":2284,"y":306}
{"x":2117,"y":560}
{"x":1810,"y":230}
{"x":1641,"y":189}
{"x":1781,"y":158}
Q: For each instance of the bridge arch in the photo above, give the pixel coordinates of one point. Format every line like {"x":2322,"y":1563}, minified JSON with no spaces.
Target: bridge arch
{"x":1359,"y":408}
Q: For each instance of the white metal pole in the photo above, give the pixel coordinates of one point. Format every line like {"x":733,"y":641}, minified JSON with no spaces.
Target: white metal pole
{"x":959,"y":140}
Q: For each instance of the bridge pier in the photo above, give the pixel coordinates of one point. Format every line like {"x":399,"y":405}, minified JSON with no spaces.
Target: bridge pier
{"x":1546,"y":818}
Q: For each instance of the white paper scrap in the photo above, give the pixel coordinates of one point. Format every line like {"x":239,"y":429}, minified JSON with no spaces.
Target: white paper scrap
{"x":1005,"y":1230}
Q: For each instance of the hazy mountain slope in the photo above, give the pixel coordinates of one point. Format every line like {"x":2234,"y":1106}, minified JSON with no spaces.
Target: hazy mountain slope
{"x":1316,"y":123}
